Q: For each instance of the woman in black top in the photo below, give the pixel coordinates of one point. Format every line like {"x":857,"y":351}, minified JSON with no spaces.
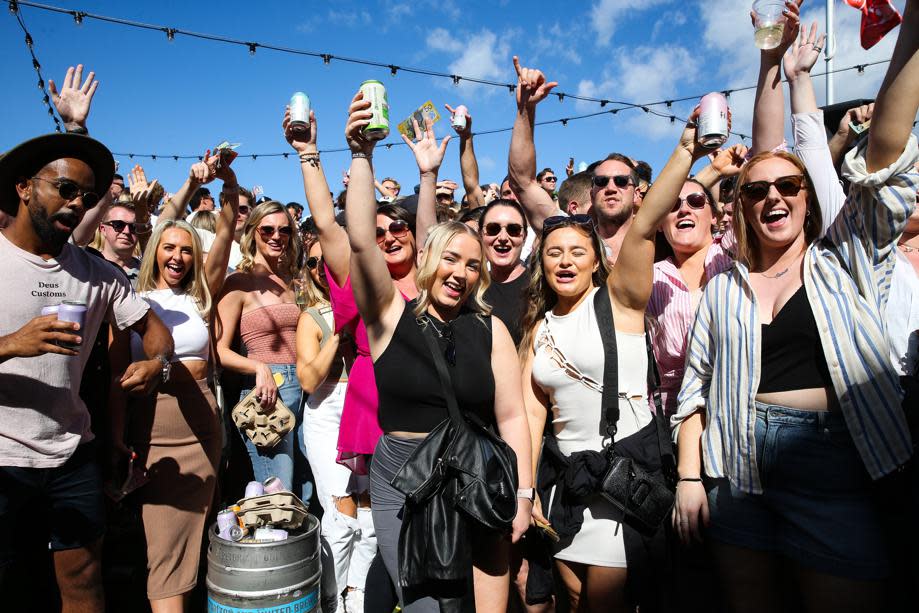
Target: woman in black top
{"x":476,"y":346}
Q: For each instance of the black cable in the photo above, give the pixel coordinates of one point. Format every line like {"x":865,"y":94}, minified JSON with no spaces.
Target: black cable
{"x":30,"y":45}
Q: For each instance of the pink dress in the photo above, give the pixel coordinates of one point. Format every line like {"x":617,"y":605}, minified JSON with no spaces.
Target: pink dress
{"x":360,"y":428}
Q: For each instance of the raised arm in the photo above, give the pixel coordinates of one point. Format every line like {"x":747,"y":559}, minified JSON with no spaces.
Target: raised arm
{"x":332,"y":237}
{"x":215,"y":268}
{"x":630,"y":281}
{"x":469,"y":166}
{"x":75,"y":98}
{"x":177,"y":207}
{"x":897,"y":101}
{"x":428,"y":156}
{"x":769,"y":104}
{"x":798,"y":63}
{"x":844,"y":137}
{"x":532,"y":88}
{"x":377,"y":301}
{"x":144,"y":195}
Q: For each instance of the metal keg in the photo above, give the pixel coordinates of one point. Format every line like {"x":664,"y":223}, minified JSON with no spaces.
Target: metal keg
{"x":268,"y":577}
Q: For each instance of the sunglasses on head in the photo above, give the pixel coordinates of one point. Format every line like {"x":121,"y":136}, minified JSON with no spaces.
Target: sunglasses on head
{"x":119,"y":226}
{"x":312,"y":262}
{"x":620,"y":181}
{"x":755,"y":191}
{"x":268,"y":231}
{"x":493,"y":228}
{"x":70,"y":191}
{"x":559,"y":221}
{"x":397,"y":228}
{"x":695,"y":200}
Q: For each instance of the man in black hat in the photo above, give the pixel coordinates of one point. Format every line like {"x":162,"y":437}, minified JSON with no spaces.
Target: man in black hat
{"x":46,"y":454}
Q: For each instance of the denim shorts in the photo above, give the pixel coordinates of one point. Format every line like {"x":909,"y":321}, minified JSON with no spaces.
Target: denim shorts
{"x":69,"y":496}
{"x":817,"y":504}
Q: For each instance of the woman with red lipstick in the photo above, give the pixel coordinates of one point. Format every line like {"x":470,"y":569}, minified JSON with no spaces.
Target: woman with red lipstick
{"x":790,"y":406}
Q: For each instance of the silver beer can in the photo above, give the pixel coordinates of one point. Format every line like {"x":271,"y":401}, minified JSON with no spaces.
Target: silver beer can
{"x":300,"y":113}
{"x":378,"y":128}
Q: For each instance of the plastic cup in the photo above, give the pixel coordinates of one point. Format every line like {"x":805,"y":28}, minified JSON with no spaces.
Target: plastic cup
{"x":768,"y":23}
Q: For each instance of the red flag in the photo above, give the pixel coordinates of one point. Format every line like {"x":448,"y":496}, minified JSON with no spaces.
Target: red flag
{"x":878,"y":18}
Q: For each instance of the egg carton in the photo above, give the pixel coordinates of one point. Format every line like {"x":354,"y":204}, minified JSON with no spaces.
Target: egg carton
{"x":284,"y":510}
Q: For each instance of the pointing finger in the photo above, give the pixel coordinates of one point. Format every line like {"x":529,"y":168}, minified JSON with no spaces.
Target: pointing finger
{"x":517,"y":65}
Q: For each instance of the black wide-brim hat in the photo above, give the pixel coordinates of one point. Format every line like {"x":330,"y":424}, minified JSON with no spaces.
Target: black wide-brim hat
{"x":25,"y":159}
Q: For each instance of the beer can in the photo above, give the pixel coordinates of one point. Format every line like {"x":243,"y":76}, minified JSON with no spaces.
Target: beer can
{"x":237,"y":510}
{"x":460,"y":114}
{"x":225,"y":520}
{"x":712,"y":125}
{"x":73,"y":311}
{"x":300,"y":113}
{"x":254,"y":488}
{"x":273,"y":485}
{"x":270,"y":534}
{"x":378,"y":128}
{"x":51,"y":309}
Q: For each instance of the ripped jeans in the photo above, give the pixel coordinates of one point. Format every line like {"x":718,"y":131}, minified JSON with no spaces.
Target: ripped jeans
{"x":351,"y":541}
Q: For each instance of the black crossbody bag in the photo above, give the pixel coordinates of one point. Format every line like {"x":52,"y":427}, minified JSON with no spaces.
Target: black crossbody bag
{"x":640,"y":480}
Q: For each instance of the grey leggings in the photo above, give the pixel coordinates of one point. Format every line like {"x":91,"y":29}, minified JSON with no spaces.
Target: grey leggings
{"x":386,"y":503}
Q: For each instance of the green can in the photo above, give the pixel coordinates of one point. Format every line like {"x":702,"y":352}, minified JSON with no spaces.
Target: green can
{"x":378,"y":128}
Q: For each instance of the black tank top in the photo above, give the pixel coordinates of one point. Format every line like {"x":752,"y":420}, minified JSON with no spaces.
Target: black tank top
{"x":509,"y":303}
{"x":411,"y":398}
{"x":792,"y":357}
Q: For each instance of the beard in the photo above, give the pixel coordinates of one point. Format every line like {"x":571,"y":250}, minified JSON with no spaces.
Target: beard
{"x":618,"y":218}
{"x":43,"y":224}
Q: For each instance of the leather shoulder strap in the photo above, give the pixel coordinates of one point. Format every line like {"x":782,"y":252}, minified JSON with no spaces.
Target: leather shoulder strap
{"x":604,"y":313}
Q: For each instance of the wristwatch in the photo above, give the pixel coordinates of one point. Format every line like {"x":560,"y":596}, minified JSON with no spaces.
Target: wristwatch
{"x":528,"y":493}
{"x":167,"y":367}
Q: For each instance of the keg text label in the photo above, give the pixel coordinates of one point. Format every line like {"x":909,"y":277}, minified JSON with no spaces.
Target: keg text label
{"x":307,"y":604}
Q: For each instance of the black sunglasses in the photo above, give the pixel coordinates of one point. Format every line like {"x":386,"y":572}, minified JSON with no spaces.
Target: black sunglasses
{"x":119,"y":226}
{"x":312,"y":262}
{"x":397,"y":228}
{"x":787,"y":186}
{"x":620,"y":181}
{"x":695,"y":200}
{"x":69,"y":191}
{"x":243,"y":209}
{"x":550,"y":179}
{"x":268,"y":231}
{"x":493,"y":228}
{"x":559,"y":221}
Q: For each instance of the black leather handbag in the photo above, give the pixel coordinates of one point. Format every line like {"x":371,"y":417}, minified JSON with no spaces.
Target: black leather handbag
{"x":462,"y":461}
{"x":640,"y":478}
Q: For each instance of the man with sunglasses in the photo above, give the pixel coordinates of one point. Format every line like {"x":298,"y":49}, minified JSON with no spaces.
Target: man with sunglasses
{"x":119,"y":230}
{"x":47,"y":458}
{"x":548,"y":181}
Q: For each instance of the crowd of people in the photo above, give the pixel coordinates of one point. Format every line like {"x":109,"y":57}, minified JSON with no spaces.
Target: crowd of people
{"x":744,"y":340}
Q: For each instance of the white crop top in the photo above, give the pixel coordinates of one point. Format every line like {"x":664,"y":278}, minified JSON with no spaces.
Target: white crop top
{"x":179,"y":312}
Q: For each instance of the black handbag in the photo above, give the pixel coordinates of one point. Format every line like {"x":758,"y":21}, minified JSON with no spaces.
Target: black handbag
{"x":463,"y":461}
{"x":640,"y":479}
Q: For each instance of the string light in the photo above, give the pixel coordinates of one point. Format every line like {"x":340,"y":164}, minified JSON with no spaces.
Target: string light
{"x":561,"y":97}
{"x":252,"y":47}
{"x":456,"y":79}
{"x":36,"y":65}
{"x":170,"y":34}
{"x":13,"y":7}
{"x":326,"y":58}
{"x":393,"y":69}
{"x":78,"y":17}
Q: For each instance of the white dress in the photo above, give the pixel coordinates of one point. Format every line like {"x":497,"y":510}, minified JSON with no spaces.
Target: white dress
{"x":568,"y":367}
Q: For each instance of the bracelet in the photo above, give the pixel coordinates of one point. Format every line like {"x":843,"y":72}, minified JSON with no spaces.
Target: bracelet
{"x":361,"y":154}
{"x":690,"y":479}
{"x":306,"y":157}
{"x":76,"y":129}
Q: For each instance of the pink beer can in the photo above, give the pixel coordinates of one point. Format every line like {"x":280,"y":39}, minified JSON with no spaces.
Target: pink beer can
{"x":712,"y":125}
{"x":460,"y":115}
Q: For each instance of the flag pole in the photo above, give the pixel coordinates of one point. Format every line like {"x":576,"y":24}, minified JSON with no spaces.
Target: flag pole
{"x":829,"y":51}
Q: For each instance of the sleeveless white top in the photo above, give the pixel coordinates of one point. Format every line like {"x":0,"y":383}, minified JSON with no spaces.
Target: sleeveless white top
{"x":568,"y":366}
{"x":179,"y":313}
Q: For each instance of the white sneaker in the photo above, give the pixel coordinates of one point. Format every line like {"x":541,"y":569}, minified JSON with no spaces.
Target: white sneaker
{"x":354,"y":601}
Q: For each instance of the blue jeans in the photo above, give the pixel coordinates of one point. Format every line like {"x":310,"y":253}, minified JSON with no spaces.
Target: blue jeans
{"x":287,"y":459}
{"x":817,"y":507}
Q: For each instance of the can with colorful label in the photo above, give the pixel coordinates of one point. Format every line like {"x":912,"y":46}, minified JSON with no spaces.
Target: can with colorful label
{"x":300,"y":114}
{"x":378,"y":128}
{"x":712,"y":125}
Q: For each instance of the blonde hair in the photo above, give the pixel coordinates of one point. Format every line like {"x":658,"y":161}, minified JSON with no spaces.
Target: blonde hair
{"x":541,"y":298}
{"x":194,"y":283}
{"x":205,"y":220}
{"x":315,"y":295}
{"x":747,"y":249}
{"x":439,"y":237}
{"x":289,"y":262}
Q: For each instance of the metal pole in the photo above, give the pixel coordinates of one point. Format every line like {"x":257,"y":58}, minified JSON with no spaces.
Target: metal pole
{"x":829,"y":51}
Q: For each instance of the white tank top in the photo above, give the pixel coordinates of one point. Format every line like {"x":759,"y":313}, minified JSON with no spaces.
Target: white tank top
{"x":179,"y":313}
{"x":568,"y":366}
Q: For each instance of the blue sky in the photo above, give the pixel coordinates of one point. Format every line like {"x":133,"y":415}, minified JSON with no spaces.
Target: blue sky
{"x":185,"y":96}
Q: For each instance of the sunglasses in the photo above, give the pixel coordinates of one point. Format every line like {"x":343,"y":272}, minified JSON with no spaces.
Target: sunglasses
{"x":120,"y":226}
{"x":695,"y":200}
{"x":755,"y":191}
{"x":69,"y":191}
{"x":559,"y":221}
{"x":550,"y":179}
{"x":312,"y":262}
{"x":620,"y":181}
{"x":514,"y":230}
{"x":398,"y":229}
{"x":267,"y":232}
{"x":243,"y":209}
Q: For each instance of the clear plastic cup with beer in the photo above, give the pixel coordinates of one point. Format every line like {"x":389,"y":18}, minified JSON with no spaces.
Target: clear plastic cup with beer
{"x":768,"y":23}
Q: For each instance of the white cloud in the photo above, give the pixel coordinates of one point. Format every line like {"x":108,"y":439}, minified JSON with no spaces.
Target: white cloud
{"x":605,"y":15}
{"x":439,"y":39}
{"x":349,"y":18}
{"x":556,"y":43}
{"x":668,"y":22}
{"x":481,"y":55}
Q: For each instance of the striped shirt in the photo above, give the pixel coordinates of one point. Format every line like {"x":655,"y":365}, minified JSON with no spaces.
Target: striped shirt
{"x":847,"y":278}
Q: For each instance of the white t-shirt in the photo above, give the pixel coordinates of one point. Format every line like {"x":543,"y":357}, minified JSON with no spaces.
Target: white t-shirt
{"x":42,"y":418}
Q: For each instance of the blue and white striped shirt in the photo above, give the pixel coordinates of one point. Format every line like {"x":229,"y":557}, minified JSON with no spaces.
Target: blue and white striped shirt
{"x":847,"y":278}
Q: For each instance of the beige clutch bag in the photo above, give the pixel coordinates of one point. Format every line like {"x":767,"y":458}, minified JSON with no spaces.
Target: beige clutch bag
{"x":264,"y":427}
